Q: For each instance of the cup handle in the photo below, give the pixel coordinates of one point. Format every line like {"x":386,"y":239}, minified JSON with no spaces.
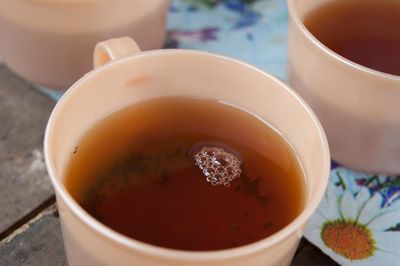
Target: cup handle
{"x":114,"y":49}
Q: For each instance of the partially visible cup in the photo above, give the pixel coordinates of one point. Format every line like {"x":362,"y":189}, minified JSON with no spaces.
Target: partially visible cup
{"x":50,"y":43}
{"x":357,"y":106}
{"x":125,"y":76}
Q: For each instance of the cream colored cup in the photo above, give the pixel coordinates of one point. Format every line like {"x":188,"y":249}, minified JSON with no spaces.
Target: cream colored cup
{"x":50,"y":42}
{"x":357,"y":106}
{"x":132,"y":77}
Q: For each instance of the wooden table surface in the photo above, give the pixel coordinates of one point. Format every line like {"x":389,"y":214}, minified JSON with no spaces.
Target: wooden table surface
{"x":30,"y":231}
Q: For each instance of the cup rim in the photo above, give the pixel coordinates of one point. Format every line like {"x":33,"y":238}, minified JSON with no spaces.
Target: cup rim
{"x":182,"y":255}
{"x":343,"y":60}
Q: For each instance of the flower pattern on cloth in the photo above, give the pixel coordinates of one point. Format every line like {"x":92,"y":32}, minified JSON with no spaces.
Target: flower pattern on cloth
{"x":254,"y":31}
{"x":358,"y":221}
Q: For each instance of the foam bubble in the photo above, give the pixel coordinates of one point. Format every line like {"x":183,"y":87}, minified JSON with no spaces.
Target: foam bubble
{"x":219,"y":166}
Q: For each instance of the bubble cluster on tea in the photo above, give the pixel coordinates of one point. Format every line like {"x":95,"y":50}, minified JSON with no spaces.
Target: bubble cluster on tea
{"x":187,"y":173}
{"x":366,"y":32}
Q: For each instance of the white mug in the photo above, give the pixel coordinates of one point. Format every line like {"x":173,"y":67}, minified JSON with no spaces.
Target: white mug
{"x":50,"y":43}
{"x":129,"y":76}
{"x":357,"y":106}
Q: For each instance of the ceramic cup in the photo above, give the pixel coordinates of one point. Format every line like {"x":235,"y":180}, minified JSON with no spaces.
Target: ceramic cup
{"x":129,"y":76}
{"x":357,"y":106}
{"x":50,"y":43}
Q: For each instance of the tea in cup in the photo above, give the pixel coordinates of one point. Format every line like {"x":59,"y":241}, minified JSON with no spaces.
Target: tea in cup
{"x":179,"y":157}
{"x":344,"y":59}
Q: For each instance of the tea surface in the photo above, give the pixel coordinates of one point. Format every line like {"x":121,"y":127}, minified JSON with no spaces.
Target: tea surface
{"x":187,"y":174}
{"x":364,"y":31}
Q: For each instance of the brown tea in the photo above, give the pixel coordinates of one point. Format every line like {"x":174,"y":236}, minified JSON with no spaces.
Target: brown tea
{"x":187,"y":174}
{"x":366,"y":32}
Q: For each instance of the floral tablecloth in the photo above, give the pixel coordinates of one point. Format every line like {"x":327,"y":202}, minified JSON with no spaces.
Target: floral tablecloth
{"x":358,"y":221}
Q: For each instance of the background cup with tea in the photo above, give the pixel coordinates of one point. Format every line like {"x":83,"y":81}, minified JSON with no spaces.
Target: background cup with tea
{"x":50,"y":43}
{"x":143,"y":76}
{"x":357,"y":106}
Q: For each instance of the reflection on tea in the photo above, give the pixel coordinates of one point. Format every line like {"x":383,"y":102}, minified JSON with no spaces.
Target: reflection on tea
{"x":365,"y":31}
{"x":186,"y":173}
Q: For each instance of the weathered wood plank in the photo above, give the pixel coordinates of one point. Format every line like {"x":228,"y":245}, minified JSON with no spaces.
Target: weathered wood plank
{"x":24,"y":184}
{"x":38,"y":242}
